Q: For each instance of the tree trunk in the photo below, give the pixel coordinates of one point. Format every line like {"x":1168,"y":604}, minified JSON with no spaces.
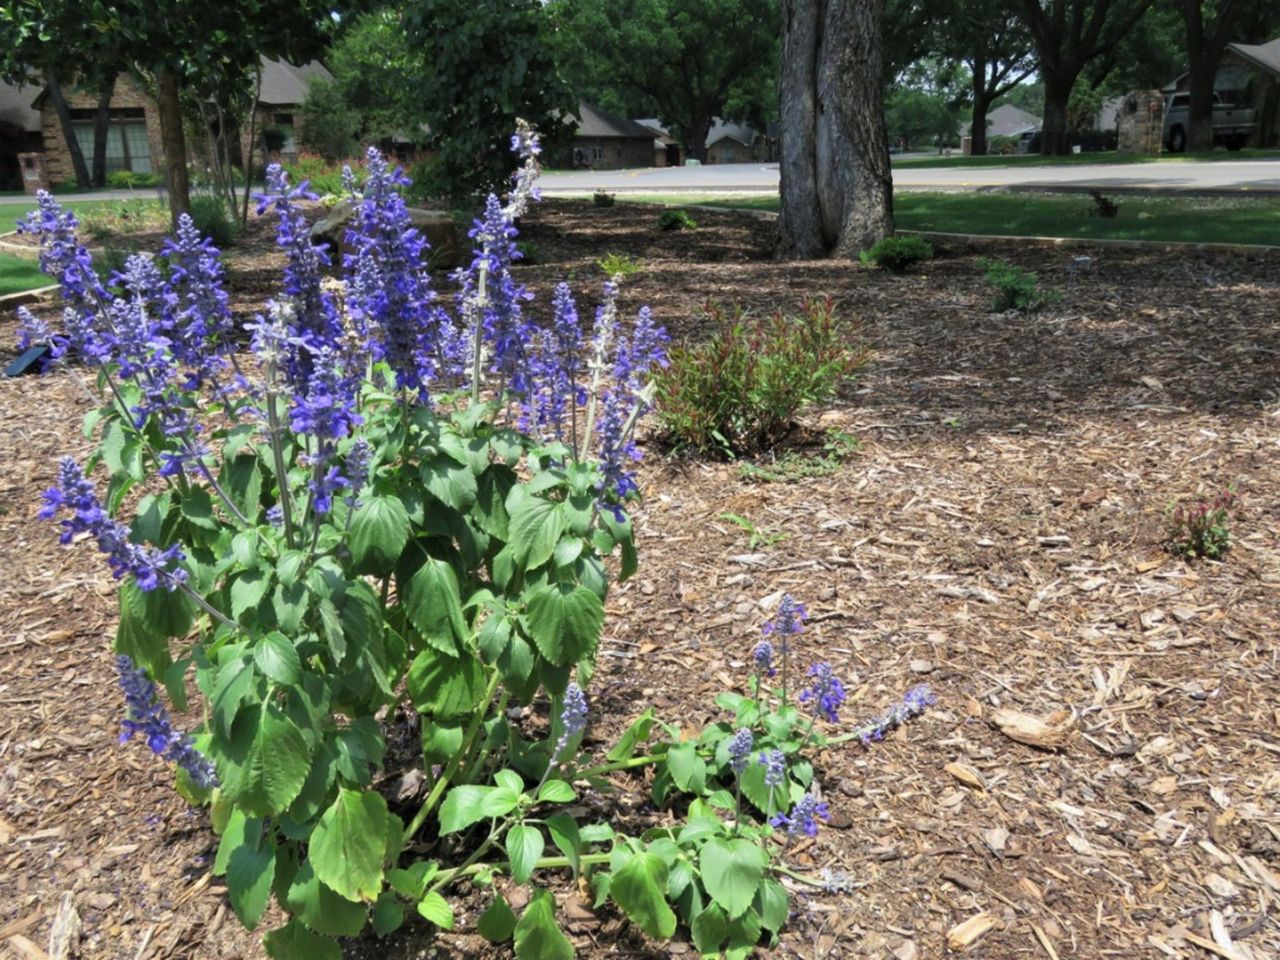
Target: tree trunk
{"x":175,"y":145}
{"x":978,"y":125}
{"x":696,"y":138}
{"x":1054,"y":139}
{"x":68,"y":129}
{"x":837,"y":189}
{"x":102,"y":129}
{"x":1200,"y":105}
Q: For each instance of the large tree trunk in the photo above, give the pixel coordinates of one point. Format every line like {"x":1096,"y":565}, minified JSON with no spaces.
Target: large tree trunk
{"x":837,"y":189}
{"x":978,"y":125}
{"x":1201,"y":78}
{"x":696,"y":138}
{"x":1054,"y":138}
{"x":68,"y":129}
{"x":175,"y":145}
{"x":102,"y":129}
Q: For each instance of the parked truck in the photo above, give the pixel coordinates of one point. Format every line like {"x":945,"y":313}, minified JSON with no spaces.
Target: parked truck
{"x":1232,"y":125}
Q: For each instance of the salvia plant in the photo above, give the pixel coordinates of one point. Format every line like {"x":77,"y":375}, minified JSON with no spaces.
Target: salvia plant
{"x":398,"y":509}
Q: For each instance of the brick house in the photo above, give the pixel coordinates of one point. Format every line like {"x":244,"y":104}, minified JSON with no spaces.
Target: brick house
{"x":605,"y":142}
{"x":284,"y":88}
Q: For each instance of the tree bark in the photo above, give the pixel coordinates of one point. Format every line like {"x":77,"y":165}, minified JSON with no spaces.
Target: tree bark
{"x":175,"y":145}
{"x":1054,"y":138}
{"x":60,"y":107}
{"x":696,"y":138}
{"x":978,"y":123}
{"x":1201,"y":78}
{"x":1205,"y":44}
{"x":102,"y":129}
{"x":836,"y":186}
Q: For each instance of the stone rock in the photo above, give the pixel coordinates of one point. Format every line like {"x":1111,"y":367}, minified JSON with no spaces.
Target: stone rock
{"x":436,"y":226}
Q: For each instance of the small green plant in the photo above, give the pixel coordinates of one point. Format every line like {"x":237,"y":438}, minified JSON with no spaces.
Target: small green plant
{"x":757,"y":536}
{"x":602,"y":199}
{"x":324,"y":177}
{"x":739,"y":391}
{"x":124,"y":217}
{"x":619,"y":265}
{"x":676,"y":220}
{"x":793,"y":465}
{"x":132,"y":180}
{"x":896,"y":254}
{"x":530,"y":252}
{"x":1016,"y":289}
{"x":211,"y":217}
{"x":1201,"y":529}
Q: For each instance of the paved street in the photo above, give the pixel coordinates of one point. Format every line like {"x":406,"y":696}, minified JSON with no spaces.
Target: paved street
{"x":1260,"y":176}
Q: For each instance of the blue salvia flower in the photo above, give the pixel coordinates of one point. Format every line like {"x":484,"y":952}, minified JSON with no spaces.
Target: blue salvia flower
{"x":740,"y":750}
{"x":359,"y":456}
{"x":788,"y":621}
{"x":387,"y":279}
{"x":803,"y":818}
{"x":914,"y":702}
{"x":146,"y":717}
{"x":617,"y":448}
{"x":573,"y":718}
{"x":763,"y":658}
{"x":506,"y":329}
{"x":34,"y":332}
{"x":557,"y":386}
{"x":775,"y":767}
{"x":199,"y":317}
{"x":827,"y":692}
{"x":149,"y":566}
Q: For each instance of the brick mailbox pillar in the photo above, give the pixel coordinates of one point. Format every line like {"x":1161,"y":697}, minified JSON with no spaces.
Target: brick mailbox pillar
{"x":35,"y":176}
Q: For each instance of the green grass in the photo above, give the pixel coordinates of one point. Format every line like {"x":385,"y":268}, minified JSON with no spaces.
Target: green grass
{"x":1083,"y":159}
{"x":1243,"y":220}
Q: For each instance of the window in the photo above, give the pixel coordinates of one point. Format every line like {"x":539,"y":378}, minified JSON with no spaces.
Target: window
{"x":284,"y":122}
{"x":128,"y":147}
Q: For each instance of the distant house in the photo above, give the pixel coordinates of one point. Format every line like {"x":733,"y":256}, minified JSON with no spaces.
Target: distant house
{"x":19,"y":131}
{"x":605,"y":142}
{"x":1008,"y":121}
{"x":666,"y":148}
{"x":729,"y":142}
{"x":1248,"y":75}
{"x":29,"y":122}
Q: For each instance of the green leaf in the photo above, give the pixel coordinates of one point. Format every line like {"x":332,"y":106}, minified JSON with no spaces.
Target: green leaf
{"x":277,"y":658}
{"x":556,"y":791}
{"x":135,"y":637}
{"x":564,"y":834}
{"x":564,"y":622}
{"x":759,"y":793}
{"x":498,"y":922}
{"x":412,"y":882}
{"x":269,"y":761}
{"x":122,"y":451}
{"x":535,"y":527}
{"x":688,"y":770}
{"x":639,"y":889}
{"x":197,"y":508}
{"x":500,"y":802}
{"x":633,"y":736}
{"x":490,"y":511}
{"x":290,"y":606}
{"x":388,"y":915}
{"x":242,"y":480}
{"x":448,"y":688}
{"x":320,"y":908}
{"x":290,"y":566}
{"x":434,"y":605}
{"x":449,"y":481}
{"x":293,"y":941}
{"x":347,"y":844}
{"x":251,"y":868}
{"x":709,"y":929}
{"x":462,"y":807}
{"x":773,"y":905}
{"x":537,"y":936}
{"x":436,"y":909}
{"x":524,"y":846}
{"x":379,"y":530}
{"x":731,"y":872}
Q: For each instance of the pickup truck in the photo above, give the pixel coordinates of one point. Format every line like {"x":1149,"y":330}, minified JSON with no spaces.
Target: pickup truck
{"x":1231,"y":124}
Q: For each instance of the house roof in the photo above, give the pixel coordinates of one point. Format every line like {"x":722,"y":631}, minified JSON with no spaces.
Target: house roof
{"x":16,"y":107}
{"x":594,"y":122}
{"x":722,"y":130}
{"x":283,"y":84}
{"x":1264,"y":56}
{"x":1008,"y":121}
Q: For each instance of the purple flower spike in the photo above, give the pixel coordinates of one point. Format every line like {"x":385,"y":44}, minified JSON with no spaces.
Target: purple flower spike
{"x":914,"y":702}
{"x":827,"y":692}
{"x":740,"y":750}
{"x":763,"y":657}
{"x":803,"y":818}
{"x":788,"y":621}
{"x":147,"y":717}
{"x":573,"y":717}
{"x":775,"y":767}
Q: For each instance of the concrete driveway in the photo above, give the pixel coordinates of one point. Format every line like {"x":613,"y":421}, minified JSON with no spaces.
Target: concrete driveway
{"x":1246,"y":176}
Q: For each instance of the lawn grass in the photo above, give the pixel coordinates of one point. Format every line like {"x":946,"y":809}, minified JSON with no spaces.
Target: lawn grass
{"x":1085,"y":159}
{"x":1244,"y":220}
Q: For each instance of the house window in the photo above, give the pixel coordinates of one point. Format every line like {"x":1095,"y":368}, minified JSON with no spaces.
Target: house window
{"x":128,"y":147}
{"x":597,"y":152}
{"x":284,"y":122}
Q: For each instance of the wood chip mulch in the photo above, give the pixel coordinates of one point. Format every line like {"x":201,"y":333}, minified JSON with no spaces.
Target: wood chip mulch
{"x":998,"y":533}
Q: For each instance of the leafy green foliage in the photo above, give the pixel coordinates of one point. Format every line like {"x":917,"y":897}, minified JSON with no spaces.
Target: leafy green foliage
{"x":896,"y":254}
{"x":132,"y":180}
{"x":619,"y":265}
{"x":1203,"y":528}
{"x":741,"y":390}
{"x":793,"y":465}
{"x":676,"y":220}
{"x":212,"y":218}
{"x":327,"y":125}
{"x":602,"y":198}
{"x":1016,"y":289}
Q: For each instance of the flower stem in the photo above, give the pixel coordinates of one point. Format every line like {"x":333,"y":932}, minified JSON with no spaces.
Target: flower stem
{"x":629,"y":764}
{"x":277,"y":453}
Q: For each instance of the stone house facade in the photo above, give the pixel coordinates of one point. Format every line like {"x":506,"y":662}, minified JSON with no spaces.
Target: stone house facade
{"x":605,"y":142}
{"x":133,"y":140}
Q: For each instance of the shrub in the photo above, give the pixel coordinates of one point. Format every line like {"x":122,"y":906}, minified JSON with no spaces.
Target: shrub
{"x":274,"y":139}
{"x":619,"y":265}
{"x":1016,"y":288}
{"x":327,"y":124}
{"x":131,"y":180}
{"x":896,"y":254}
{"x":741,"y":390}
{"x":1002,"y":146}
{"x":602,"y":199}
{"x":211,"y":217}
{"x":325,"y":177}
{"x":676,"y":220}
{"x":1201,"y":529}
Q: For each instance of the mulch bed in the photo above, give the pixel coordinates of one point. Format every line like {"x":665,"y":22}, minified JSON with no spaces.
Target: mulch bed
{"x":999,"y":534}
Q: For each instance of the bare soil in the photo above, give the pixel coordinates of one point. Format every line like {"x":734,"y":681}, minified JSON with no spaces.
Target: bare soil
{"x":999,"y":534}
